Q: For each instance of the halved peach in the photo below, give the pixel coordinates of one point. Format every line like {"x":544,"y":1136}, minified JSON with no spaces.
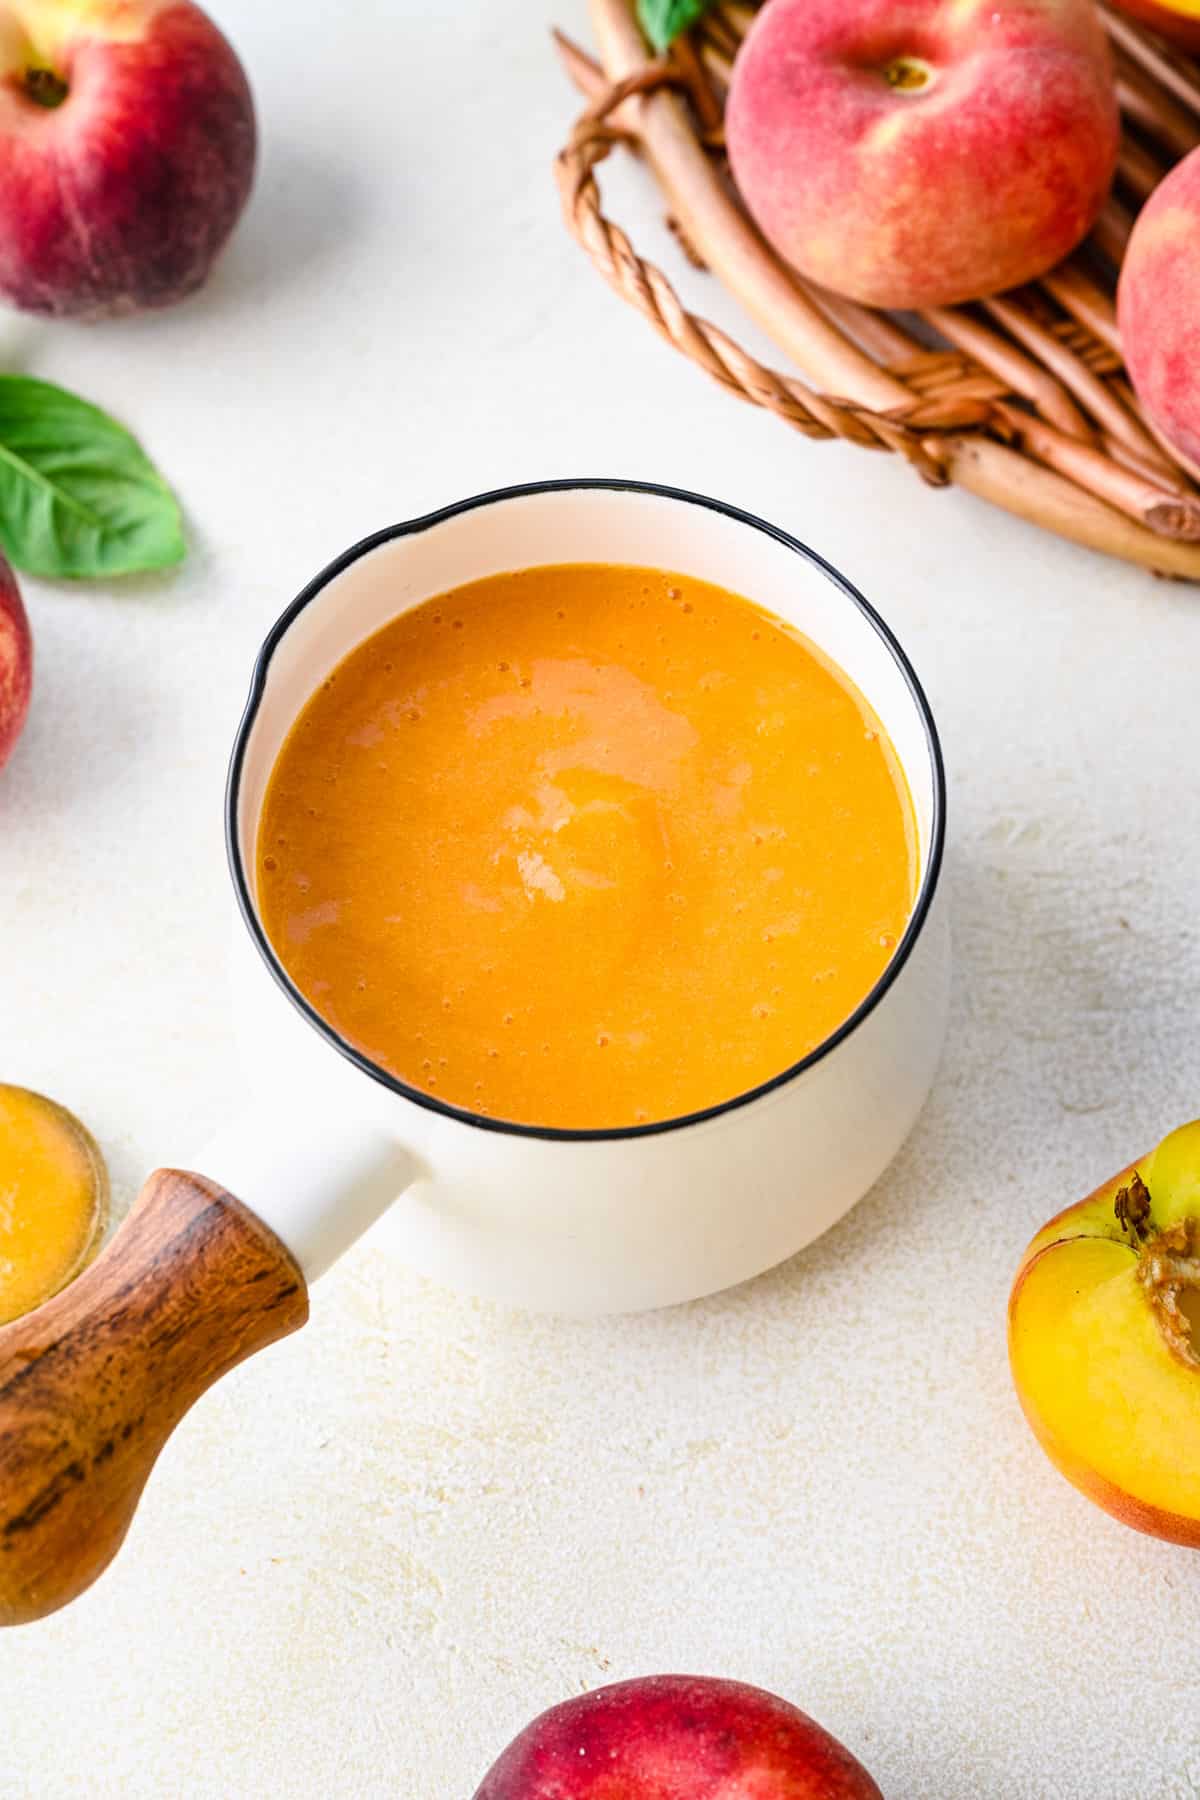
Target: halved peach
{"x":1104,"y":1341}
{"x":53,"y":1199}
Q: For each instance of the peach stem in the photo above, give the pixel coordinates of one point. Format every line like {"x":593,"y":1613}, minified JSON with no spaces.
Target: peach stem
{"x":44,"y":87}
{"x":908,"y":74}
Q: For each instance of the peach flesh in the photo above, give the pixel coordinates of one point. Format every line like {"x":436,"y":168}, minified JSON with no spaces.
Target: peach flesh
{"x":1104,"y":1341}
{"x":53,"y":1199}
{"x":918,"y":154}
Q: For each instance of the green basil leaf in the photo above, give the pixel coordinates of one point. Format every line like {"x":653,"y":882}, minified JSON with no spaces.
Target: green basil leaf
{"x":78,"y":495}
{"x":663,"y":20}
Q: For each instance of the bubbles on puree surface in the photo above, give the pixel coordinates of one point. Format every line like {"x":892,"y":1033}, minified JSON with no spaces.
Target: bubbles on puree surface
{"x":646,"y":849}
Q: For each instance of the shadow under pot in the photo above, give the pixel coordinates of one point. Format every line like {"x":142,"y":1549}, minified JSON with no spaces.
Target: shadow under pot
{"x":563,"y":1219}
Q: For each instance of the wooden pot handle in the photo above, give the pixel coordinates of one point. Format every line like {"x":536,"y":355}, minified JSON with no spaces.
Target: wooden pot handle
{"x":93,"y":1383}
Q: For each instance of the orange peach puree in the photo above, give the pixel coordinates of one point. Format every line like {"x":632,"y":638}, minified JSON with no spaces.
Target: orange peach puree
{"x":586,"y":846}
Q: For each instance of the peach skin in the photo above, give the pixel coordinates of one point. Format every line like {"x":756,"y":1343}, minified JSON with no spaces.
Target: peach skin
{"x":1158,"y":308}
{"x":923,"y":152}
{"x":127,"y":148}
{"x":1104,"y":1341}
{"x":676,"y":1737}
{"x":16,"y":662}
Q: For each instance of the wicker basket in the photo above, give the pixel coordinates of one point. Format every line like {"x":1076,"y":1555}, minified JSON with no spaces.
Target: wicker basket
{"x":1021,"y":398}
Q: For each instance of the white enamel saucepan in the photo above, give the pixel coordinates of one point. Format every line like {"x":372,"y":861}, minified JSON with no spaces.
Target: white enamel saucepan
{"x":92,"y":1384}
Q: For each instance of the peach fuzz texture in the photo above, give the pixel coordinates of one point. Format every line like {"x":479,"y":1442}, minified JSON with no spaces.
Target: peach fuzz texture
{"x":120,"y":196}
{"x":16,"y":662}
{"x":1158,"y":307}
{"x":676,"y":1737}
{"x":983,"y":178}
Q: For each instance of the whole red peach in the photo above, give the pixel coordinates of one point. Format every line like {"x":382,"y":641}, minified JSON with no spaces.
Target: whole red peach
{"x":127,"y":146}
{"x":16,"y":662}
{"x":676,"y":1737}
{"x":1158,"y":308}
{"x":926,"y":152}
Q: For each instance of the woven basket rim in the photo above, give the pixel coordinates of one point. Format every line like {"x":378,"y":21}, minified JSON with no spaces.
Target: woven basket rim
{"x":1021,"y":397}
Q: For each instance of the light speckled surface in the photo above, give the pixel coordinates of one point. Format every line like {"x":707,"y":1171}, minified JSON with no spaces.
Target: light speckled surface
{"x":370,"y":1556}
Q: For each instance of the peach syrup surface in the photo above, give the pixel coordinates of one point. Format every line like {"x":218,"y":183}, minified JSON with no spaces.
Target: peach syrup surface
{"x":586,"y":846}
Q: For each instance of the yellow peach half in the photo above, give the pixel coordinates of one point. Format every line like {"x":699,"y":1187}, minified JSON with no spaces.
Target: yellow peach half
{"x":53,"y":1199}
{"x":1104,"y":1341}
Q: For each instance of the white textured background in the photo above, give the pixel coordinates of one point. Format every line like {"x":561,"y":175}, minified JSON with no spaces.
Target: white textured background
{"x":374,"y":1552}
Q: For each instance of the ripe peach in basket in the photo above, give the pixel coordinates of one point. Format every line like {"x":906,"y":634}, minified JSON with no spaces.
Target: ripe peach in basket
{"x":1158,"y":308}
{"x":676,"y":1737}
{"x":1104,"y":1340}
{"x":925,"y":152}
